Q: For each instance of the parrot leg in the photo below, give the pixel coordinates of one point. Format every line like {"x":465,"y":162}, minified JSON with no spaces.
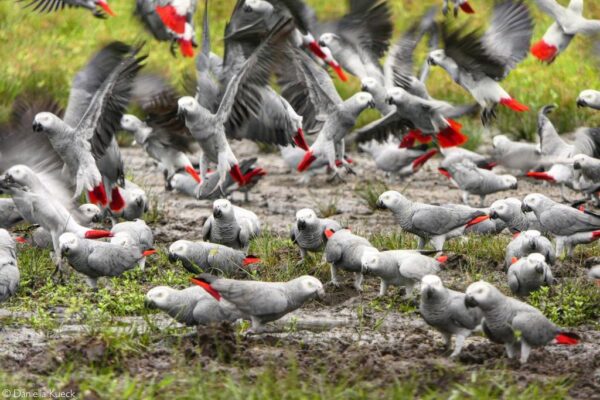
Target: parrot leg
{"x":383,"y":288}
{"x":358,"y":280}
{"x":459,"y":342}
{"x":92,"y":283}
{"x":510,"y":350}
{"x":257,"y":327}
{"x":465,"y":198}
{"x":481,"y":201}
{"x":570,"y":249}
{"x":302,"y":254}
{"x":438,"y":242}
{"x":167,"y":178}
{"x":456,"y":8}
{"x":421,"y":243}
{"x":408,"y":292}
{"x":563,"y":195}
{"x":334,"y":276}
{"x":447,"y":341}
{"x":560,"y":245}
{"x":445,"y":7}
{"x":525,"y":350}
{"x":142,"y":263}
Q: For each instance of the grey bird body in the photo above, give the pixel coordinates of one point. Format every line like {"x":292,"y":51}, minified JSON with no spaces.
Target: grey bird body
{"x":230,"y":225}
{"x":191,"y":306}
{"x":308,"y":233}
{"x":517,"y":156}
{"x":478,"y":181}
{"x":345,"y":251}
{"x":509,"y":210}
{"x":529,"y":242}
{"x":529,"y":274}
{"x":445,"y":310}
{"x":9,"y":214}
{"x":9,"y":272}
{"x":213,"y":258}
{"x":392,"y":159}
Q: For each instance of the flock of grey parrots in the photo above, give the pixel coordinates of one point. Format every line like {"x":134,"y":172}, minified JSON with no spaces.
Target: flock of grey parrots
{"x":50,"y":158}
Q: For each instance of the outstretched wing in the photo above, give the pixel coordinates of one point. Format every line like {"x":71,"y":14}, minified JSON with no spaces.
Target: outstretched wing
{"x":381,"y":129}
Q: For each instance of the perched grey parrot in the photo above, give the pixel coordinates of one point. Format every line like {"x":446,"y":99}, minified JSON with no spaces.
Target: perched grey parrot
{"x":473,"y":180}
{"x":528,"y":274}
{"x":134,"y":234}
{"x":262,"y":302}
{"x":345,"y":250}
{"x":511,"y":322}
{"x":458,"y":4}
{"x":428,"y":222}
{"x":394,"y":160}
{"x":95,"y":259}
{"x":98,"y":98}
{"x":560,"y":220}
{"x":510,"y":211}
{"x":529,"y":242}
{"x":198,"y":257}
{"x":403,"y":268}
{"x":191,"y":306}
{"x":478,"y":62}
{"x":518,"y":156}
{"x":569,"y":21}
{"x":43,"y":6}
{"x":308,"y":233}
{"x":9,"y":214}
{"x":444,"y":310}
{"x":9,"y":272}
{"x":589,"y":98}
{"x":230,"y":225}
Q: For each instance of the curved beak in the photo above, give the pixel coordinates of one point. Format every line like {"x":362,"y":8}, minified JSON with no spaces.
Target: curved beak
{"x":149,"y":304}
{"x":581,"y":103}
{"x":539,"y":268}
{"x":173,"y":257}
{"x":37,"y":127}
{"x":470,"y":302}
{"x":217,"y":213}
{"x":389,"y":100}
{"x":380,"y":205}
{"x":322,"y":44}
{"x":431,"y":61}
{"x":525,"y":208}
{"x":301,"y":224}
{"x":493,"y":215}
{"x":576,"y":165}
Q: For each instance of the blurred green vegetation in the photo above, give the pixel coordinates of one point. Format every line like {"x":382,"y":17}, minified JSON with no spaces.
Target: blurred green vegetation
{"x":43,"y":51}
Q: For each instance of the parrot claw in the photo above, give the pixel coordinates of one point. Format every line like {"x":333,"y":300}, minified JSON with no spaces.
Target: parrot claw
{"x":335,"y":284}
{"x":173,"y":48}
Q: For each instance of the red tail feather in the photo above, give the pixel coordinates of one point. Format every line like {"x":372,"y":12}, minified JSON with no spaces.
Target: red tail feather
{"x":329,"y":233}
{"x":421,"y":160}
{"x":540,"y":176}
{"x":477,"y":220}
{"x":300,"y":140}
{"x":251,"y":260}
{"x":98,"y":195}
{"x":567,"y":338}
{"x":408,"y":141}
{"x":516,"y":235}
{"x":308,"y":159}
{"x":490,"y":165}
{"x":451,"y":136}
{"x":466,"y":7}
{"x":596,"y":234}
{"x":340,"y":72}
{"x":190,"y":170}
{"x":514,"y":105}
{"x":149,"y":252}
{"x":117,"y":203}
{"x":186,"y":48}
{"x":106,"y":8}
{"x":316,"y":50}
{"x":171,"y":19}
{"x":544,"y":51}
{"x":206,"y":286}
{"x":442,"y":259}
{"x":236,"y":174}
{"x":20,"y":239}
{"x":444,"y":172}
{"x":253,"y":173}
{"x":97,"y":234}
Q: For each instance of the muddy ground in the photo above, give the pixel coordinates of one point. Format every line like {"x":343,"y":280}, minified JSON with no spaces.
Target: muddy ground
{"x":333,"y":335}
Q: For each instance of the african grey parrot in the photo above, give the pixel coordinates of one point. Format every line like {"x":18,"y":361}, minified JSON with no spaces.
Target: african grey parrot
{"x":560,"y":220}
{"x":509,"y":321}
{"x":135,"y":203}
{"x":472,"y":180}
{"x":345,"y":250}
{"x":529,"y":242}
{"x":262,"y":302}
{"x":589,"y":98}
{"x":569,"y":21}
{"x":454,"y":155}
{"x":458,"y":4}
{"x":198,"y":257}
{"x":9,"y":214}
{"x":486,"y":227}
{"x":594,"y":274}
{"x":588,"y":166}
{"x":394,"y":160}
{"x":54,"y":5}
{"x":9,"y":272}
{"x":98,"y":98}
{"x":478,"y":62}
{"x":309,"y":231}
{"x":428,"y":222}
{"x":528,"y":274}
{"x":133,"y":234}
{"x":403,"y":268}
{"x":191,"y":306}
{"x":95,"y":259}
{"x":444,"y":310}
{"x":518,"y":156}
{"x":230,"y":225}
{"x":509,"y":210}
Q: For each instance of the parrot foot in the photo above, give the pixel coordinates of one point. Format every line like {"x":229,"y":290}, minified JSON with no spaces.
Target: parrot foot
{"x":335,"y":284}
{"x":336,"y":177}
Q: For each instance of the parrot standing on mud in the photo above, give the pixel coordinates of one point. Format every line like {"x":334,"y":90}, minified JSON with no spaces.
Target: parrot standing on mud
{"x":444,"y":310}
{"x":403,"y":268}
{"x":428,"y":222}
{"x":509,"y":210}
{"x":191,"y":306}
{"x":133,"y":234}
{"x":9,"y":272}
{"x":309,"y":231}
{"x":262,"y":302}
{"x":528,"y":274}
{"x":511,"y":322}
{"x":199,"y":257}
{"x":230,"y":225}
{"x":517,"y":156}
{"x":526,"y":243}
{"x":395,"y":160}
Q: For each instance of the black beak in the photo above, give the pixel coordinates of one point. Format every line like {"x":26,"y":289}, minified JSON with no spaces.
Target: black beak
{"x":217,"y":213}
{"x":173,"y":257}
{"x":494,"y":215}
{"x":581,"y":103}
{"x":539,"y":269}
{"x":390,"y":100}
{"x":37,"y":127}
{"x":515,"y":185}
{"x":380,"y":205}
{"x":140,"y":202}
{"x":363,"y":88}
{"x":301,"y":224}
{"x":96,"y":219}
{"x":322,"y":43}
{"x":525,"y":208}
{"x":149,"y":304}
{"x":470,"y":302}
{"x":533,"y":245}
{"x":576,"y":165}
{"x":429,"y":293}
{"x":371,"y":104}
{"x":430,"y":61}
{"x":64,"y":252}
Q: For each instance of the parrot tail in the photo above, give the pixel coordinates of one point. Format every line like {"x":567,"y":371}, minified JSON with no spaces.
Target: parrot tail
{"x":466,"y":7}
{"x":540,"y":176}
{"x":21,"y":239}
{"x":149,"y":252}
{"x":329,"y":233}
{"x":308,"y":159}
{"x":97,"y":234}
{"x":236,"y":174}
{"x":490,"y":165}
{"x":316,"y":49}
{"x":117,"y":203}
{"x":251,"y":260}
{"x":254,"y":173}
{"x":203,"y":282}
{"x":596,"y":235}
{"x":421,"y":160}
{"x":567,"y":338}
{"x":186,"y":48}
{"x":339,"y":72}
{"x":300,"y":140}
{"x":451,"y":136}
{"x":106,"y":8}
{"x":190,"y":170}
{"x":544,"y":52}
{"x":98,"y":195}
{"x":514,"y":104}
{"x":444,"y":172}
{"x":477,"y":220}
{"x":171,"y":19}
{"x":442,"y":259}
{"x":409,"y":139}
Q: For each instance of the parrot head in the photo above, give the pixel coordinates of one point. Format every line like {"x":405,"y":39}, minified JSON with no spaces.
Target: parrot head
{"x":436,"y":57}
{"x":90,"y":213}
{"x":68,"y":243}
{"x":222,"y":208}
{"x":581,"y":161}
{"x":190,"y":109}
{"x":532,"y":202}
{"x":311,"y":287}
{"x":536,"y":261}
{"x":589,"y":98}
{"x":264,"y":8}
{"x":505,"y":209}
{"x":46,"y":122}
{"x":130,"y":123}
{"x":479,"y":294}
{"x":369,"y":85}
{"x":395,"y":95}
{"x":306,"y":217}
{"x":332,"y":41}
{"x":122,"y":239}
{"x":19,"y":175}
{"x":363,"y":100}
{"x":369,"y":262}
{"x":178,"y":250}
{"x":158,"y":297}
{"x":390,"y":200}
{"x":430,"y":284}
{"x":500,"y":140}
{"x":509,"y":181}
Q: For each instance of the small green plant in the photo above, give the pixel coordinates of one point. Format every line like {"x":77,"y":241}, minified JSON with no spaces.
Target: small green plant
{"x":370,"y":192}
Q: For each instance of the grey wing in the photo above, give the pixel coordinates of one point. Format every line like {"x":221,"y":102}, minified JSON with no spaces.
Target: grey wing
{"x":441,"y":220}
{"x":513,"y":280}
{"x":509,"y":35}
{"x":112,"y":260}
{"x":464,"y":317}
{"x":253,"y":298}
{"x":381,"y":129}
{"x":206,"y":228}
{"x":550,"y":141}
{"x":587,"y":141}
{"x":535,"y":328}
{"x":333,"y":251}
{"x":417,"y":266}
{"x":145,"y":10}
{"x":208,"y":89}
{"x":47,"y":5}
